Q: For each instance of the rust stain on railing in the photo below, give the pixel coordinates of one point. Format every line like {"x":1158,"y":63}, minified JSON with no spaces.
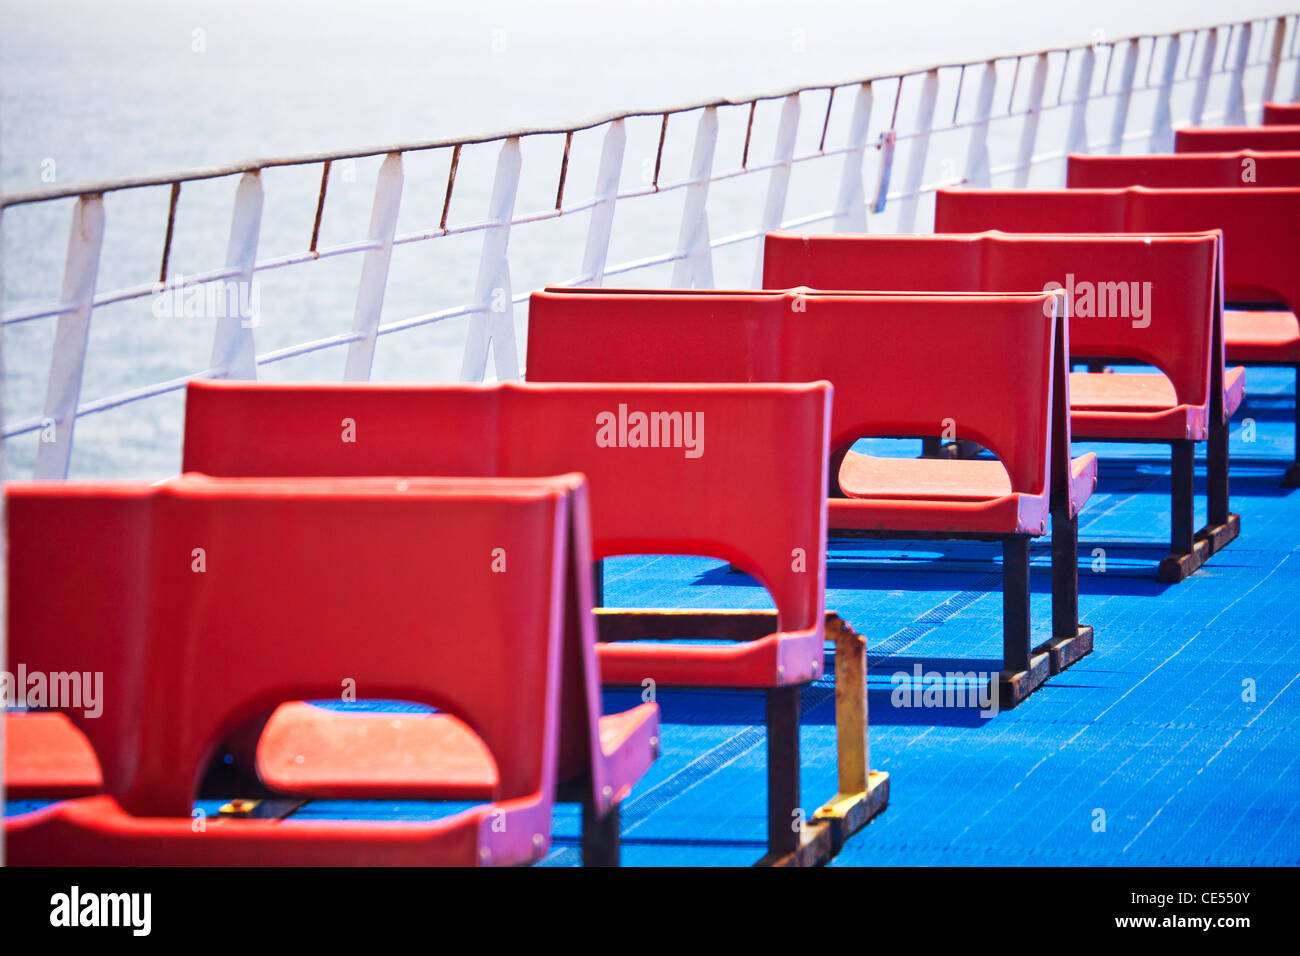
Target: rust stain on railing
{"x":171,"y":230}
{"x":320,"y":205}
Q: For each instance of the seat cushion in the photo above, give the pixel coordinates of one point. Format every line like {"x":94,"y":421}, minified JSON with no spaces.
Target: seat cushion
{"x":933,"y":495}
{"x":1131,"y":406}
{"x":777,"y":660}
{"x":1121,"y":392}
{"x":309,"y":751}
{"x":1142,"y":407}
{"x":930,"y":479}
{"x":1261,"y":336}
{"x":47,"y":756}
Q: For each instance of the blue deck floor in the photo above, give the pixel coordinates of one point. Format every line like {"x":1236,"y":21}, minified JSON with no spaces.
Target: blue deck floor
{"x":1152,"y":730}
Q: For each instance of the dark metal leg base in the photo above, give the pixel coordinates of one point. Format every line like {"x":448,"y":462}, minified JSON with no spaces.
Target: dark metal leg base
{"x":271,"y":809}
{"x":1292,"y":478}
{"x":1064,"y":651}
{"x":814,"y":848}
{"x":1015,"y":686}
{"x":600,"y":836}
{"x":786,"y":826}
{"x":848,"y":813}
{"x":932,"y":448}
{"x":1176,"y":566}
{"x":1218,"y":536}
{"x":955,"y":449}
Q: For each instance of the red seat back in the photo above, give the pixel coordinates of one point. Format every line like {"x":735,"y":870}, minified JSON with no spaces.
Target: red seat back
{"x":1261,"y":227}
{"x":1282,"y":114}
{"x":303,"y":585}
{"x":1228,"y":139}
{"x":1244,"y":168}
{"x":1104,"y":274}
{"x":901,"y":365}
{"x":663,"y":500}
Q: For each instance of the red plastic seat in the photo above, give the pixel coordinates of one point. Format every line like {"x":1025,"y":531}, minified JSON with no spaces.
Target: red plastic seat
{"x":1144,"y":397}
{"x":1282,"y":114}
{"x":241,"y":429}
{"x":1177,"y":335}
{"x":1262,"y":338}
{"x":682,"y":498}
{"x":309,"y":751}
{"x":1251,"y":336}
{"x":303,"y":752}
{"x":1261,"y":245}
{"x":1261,"y":227}
{"x":261,"y":591}
{"x":1003,"y":397}
{"x":1242,"y":169}
{"x":46,"y":756}
{"x":1176,"y":329}
{"x":925,"y":479}
{"x":1228,"y":139}
{"x":1021,"y":511}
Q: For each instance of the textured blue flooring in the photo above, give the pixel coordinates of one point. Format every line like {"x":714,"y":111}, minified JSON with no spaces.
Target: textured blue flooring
{"x":1151,"y":735}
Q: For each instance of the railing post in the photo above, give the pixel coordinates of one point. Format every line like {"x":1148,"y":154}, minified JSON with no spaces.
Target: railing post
{"x":1124,"y":96}
{"x":977,"y":153}
{"x":694,"y":268}
{"x":63,"y":389}
{"x":1295,"y":79}
{"x":374,"y":269}
{"x":1162,"y":126}
{"x":232,"y":344}
{"x":1202,"y":92}
{"x":493,"y":321}
{"x":1235,"y":114}
{"x":779,"y":183}
{"x":851,"y":206}
{"x":4,"y":534}
{"x":1029,"y":131}
{"x":917,"y":154}
{"x":1274,"y":61}
{"x":1078,"y":136}
{"x":608,"y":175}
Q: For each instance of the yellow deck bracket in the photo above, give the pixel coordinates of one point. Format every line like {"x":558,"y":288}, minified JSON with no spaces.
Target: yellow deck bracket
{"x":863,"y":792}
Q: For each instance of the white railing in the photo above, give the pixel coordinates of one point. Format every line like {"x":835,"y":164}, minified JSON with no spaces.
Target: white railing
{"x":1055,"y":92}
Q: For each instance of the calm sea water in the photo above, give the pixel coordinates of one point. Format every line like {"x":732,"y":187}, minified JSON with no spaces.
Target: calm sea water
{"x":90,"y":90}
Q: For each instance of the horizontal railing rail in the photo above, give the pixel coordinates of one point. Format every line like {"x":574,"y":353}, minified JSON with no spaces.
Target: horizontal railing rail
{"x":1192,"y":57}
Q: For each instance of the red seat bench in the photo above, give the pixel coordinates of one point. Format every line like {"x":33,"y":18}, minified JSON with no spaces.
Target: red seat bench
{"x":1228,"y":139}
{"x":1008,"y":405}
{"x":1244,"y":168}
{"x":1261,"y":245}
{"x":1282,"y":114}
{"x":680,"y":496}
{"x":203,"y":603}
{"x":1172,"y":281}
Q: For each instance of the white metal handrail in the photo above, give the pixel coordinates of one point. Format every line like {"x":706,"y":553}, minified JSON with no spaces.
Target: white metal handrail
{"x":1192,"y":57}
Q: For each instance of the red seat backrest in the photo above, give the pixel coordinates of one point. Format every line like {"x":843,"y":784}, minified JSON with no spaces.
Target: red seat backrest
{"x":1244,"y":168}
{"x":1282,"y":114}
{"x":901,"y":365}
{"x":1175,"y":334}
{"x":304,"y":584}
{"x":666,"y":500}
{"x":1261,"y":227}
{"x":1228,"y":139}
